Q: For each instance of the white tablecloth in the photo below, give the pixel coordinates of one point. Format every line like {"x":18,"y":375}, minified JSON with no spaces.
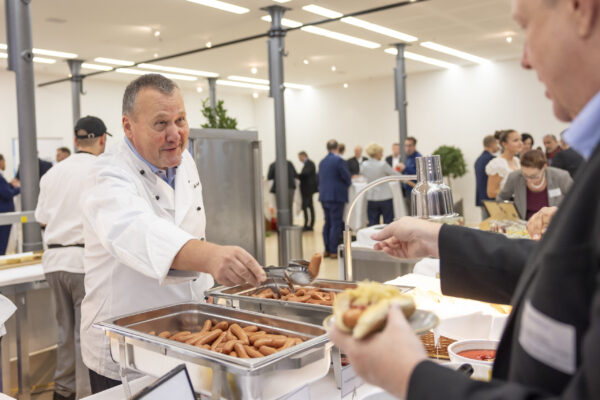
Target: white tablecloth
{"x":358,"y":219}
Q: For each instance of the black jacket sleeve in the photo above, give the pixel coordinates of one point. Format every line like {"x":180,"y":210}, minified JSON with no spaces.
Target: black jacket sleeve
{"x":481,"y":265}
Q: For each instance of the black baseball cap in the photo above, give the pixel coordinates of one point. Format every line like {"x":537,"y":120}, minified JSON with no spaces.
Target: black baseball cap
{"x":91,"y":126}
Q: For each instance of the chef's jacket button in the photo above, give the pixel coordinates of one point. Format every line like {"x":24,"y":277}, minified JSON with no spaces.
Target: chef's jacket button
{"x":199,"y":208}
{"x":157,"y":197}
{"x":142,"y":171}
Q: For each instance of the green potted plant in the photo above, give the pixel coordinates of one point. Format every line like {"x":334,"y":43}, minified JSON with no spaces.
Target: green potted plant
{"x":217,"y":117}
{"x":453,"y":162}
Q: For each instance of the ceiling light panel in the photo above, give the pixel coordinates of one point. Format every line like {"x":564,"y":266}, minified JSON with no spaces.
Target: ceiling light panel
{"x":113,"y":61}
{"x":427,"y":60}
{"x":453,"y":52}
{"x":96,"y":67}
{"x":258,"y":81}
{"x":288,"y":23}
{"x":132,"y":71}
{"x":54,"y":53}
{"x":241,"y":84}
{"x":44,"y":60}
{"x":325,"y":12}
{"x":177,"y":70}
{"x":341,"y":37}
{"x":221,"y":5}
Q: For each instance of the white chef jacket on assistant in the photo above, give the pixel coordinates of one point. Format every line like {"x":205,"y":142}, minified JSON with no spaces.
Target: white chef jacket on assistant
{"x":59,"y":209}
{"x":134,"y":226}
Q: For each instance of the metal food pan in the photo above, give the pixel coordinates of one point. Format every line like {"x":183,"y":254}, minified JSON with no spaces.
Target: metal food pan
{"x":268,"y":377}
{"x":240,"y":297}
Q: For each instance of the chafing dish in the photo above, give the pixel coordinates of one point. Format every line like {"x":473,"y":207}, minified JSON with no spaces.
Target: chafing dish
{"x":241,"y":297}
{"x":268,"y":377}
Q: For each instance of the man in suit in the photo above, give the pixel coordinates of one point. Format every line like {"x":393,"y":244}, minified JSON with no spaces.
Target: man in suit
{"x":490,"y":146}
{"x":291,"y":182}
{"x":334,"y":180}
{"x":552,"y":147}
{"x":551,"y":343}
{"x":7,"y":192}
{"x":354,"y":162}
{"x":308,"y":186}
{"x":394,"y":159}
{"x":43,"y":167}
{"x":567,"y":159}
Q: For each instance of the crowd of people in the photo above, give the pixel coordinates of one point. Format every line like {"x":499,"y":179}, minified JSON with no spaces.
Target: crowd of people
{"x":511,"y":169}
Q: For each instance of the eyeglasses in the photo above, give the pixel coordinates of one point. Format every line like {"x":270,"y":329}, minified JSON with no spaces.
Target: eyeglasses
{"x":533,"y":177}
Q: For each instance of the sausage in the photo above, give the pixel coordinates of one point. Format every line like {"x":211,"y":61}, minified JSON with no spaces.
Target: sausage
{"x":284,"y":291}
{"x":164,"y":334}
{"x":252,"y":352}
{"x":205,"y":347}
{"x":233,"y":354}
{"x":207,"y":325}
{"x":267,"y":351}
{"x":223,"y":325}
{"x":315,"y":265}
{"x":251,"y":328}
{"x":153,"y":333}
{"x":316,"y":296}
{"x":302,"y":299}
{"x":230,"y":335}
{"x":273,"y":342}
{"x":351,"y":316}
{"x":240,"y":333}
{"x":289,"y":343}
{"x":228,"y":347}
{"x":194,"y":338}
{"x":209,"y":337}
{"x":218,"y":341}
{"x":255,"y":336}
{"x":240,"y":350}
{"x":180,"y":335}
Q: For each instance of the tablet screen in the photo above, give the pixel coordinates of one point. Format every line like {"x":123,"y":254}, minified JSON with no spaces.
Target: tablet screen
{"x":174,"y":385}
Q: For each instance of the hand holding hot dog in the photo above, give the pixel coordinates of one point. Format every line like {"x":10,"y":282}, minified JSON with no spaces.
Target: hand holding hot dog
{"x":409,"y":237}
{"x":385,"y":359}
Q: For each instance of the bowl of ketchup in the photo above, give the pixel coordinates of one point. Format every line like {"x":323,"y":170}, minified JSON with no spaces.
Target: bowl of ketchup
{"x":480,"y":353}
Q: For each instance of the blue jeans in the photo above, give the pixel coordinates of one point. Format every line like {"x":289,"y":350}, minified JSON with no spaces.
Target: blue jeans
{"x":334,"y":225}
{"x":376,"y":209}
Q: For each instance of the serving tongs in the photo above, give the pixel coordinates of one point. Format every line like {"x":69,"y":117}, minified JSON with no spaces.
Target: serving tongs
{"x":295,"y":273}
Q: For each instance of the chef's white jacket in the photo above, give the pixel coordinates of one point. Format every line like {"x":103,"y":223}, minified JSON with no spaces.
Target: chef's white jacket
{"x":59,"y":209}
{"x":134,"y":225}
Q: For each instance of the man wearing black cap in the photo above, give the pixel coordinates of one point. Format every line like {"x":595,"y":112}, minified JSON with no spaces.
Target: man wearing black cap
{"x":59,"y":210}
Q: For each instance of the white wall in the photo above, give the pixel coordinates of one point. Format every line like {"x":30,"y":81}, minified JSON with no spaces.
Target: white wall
{"x":445,"y":107}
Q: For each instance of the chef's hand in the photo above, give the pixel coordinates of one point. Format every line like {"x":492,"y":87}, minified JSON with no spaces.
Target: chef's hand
{"x":409,"y":237}
{"x":386,"y":359}
{"x":232,"y":265}
{"x":538,"y":223}
{"x":229,"y":265}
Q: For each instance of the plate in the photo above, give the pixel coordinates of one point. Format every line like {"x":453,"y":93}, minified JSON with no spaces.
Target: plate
{"x":421,"y":321}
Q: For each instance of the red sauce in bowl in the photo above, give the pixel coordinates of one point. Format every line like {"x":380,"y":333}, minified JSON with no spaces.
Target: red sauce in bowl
{"x":481,"y":355}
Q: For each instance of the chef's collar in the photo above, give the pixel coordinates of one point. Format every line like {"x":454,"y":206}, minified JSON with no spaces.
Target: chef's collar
{"x":167,"y":176}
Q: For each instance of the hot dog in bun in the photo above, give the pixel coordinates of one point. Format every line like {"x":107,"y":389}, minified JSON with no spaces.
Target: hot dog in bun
{"x":364,"y":310}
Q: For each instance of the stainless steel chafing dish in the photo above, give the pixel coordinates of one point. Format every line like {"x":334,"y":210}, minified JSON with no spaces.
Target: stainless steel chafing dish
{"x":241,"y":297}
{"x":211,"y":372}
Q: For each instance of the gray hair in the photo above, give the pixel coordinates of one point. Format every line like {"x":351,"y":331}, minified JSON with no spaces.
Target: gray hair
{"x":152,"y":81}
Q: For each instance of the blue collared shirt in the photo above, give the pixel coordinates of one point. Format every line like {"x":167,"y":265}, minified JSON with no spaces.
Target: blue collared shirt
{"x":584,"y":133}
{"x":167,"y":176}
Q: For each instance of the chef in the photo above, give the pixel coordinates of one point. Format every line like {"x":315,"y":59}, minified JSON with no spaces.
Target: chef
{"x":550,"y":346}
{"x":144,"y":224}
{"x":58,"y":209}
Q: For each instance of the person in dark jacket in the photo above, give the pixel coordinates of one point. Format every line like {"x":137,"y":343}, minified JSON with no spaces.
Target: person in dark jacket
{"x":308,"y":186}
{"x":550,"y":345}
{"x":7,"y":192}
{"x":490,"y":146}
{"x":43,"y":166}
{"x":354,"y":162}
{"x":334,"y":180}
{"x":291,"y":182}
{"x":567,"y":159}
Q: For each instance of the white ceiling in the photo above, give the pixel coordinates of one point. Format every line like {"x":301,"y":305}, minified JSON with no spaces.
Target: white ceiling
{"x":124,"y":29}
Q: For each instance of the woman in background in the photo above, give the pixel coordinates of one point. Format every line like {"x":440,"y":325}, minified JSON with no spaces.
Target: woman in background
{"x":380,"y":198}
{"x":499,"y":168}
{"x":527,"y":142}
{"x":536,"y":185}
